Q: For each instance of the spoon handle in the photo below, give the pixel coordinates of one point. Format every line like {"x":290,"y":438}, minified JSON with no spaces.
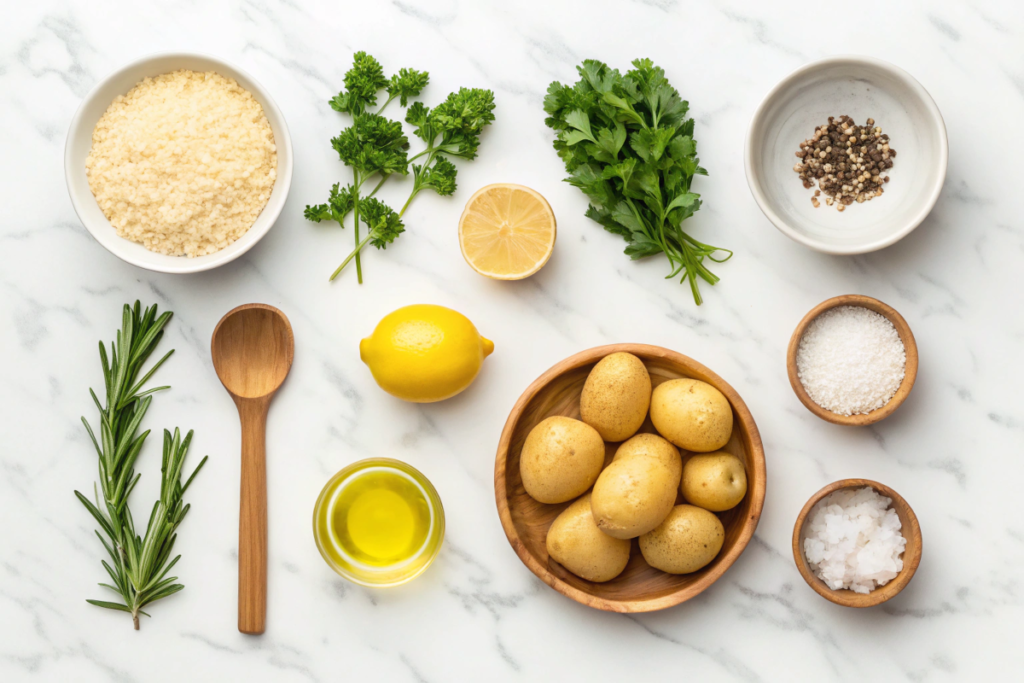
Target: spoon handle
{"x":252,"y":517}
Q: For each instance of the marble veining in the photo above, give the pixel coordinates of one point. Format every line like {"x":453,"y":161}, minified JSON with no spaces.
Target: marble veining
{"x":953,"y":450}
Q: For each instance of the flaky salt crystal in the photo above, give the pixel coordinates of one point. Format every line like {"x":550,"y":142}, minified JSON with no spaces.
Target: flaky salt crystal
{"x":853,"y":540}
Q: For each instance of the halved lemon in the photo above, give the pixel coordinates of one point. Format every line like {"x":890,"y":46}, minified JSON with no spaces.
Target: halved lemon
{"x":507,"y":232}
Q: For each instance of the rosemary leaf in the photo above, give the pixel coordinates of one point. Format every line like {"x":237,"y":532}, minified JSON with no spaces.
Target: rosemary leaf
{"x":109,"y":605}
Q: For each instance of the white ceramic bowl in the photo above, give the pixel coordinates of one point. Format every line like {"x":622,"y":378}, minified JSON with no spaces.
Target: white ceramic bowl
{"x":79,"y":143}
{"x":862,"y":88}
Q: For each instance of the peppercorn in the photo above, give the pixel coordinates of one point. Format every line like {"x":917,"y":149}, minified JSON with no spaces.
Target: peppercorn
{"x":845,"y":174}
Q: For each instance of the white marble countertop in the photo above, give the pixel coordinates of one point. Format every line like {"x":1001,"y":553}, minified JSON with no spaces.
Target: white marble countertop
{"x":953,"y":450}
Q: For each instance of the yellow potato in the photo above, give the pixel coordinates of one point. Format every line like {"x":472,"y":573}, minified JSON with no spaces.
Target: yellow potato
{"x":692,"y":414}
{"x":616,"y":396}
{"x":714,"y":481}
{"x":651,"y":446}
{"x":689,"y":539}
{"x":633,"y":495}
{"x":561,"y":459}
{"x":575,"y":542}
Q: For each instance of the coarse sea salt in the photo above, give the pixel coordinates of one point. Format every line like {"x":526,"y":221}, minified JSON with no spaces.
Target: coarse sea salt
{"x":853,"y":540}
{"x":851,"y":360}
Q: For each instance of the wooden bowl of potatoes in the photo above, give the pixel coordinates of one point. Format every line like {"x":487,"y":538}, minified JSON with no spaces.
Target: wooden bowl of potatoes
{"x":629,"y":477}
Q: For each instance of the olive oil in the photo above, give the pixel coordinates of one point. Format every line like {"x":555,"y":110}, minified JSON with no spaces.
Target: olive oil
{"x":379,"y":522}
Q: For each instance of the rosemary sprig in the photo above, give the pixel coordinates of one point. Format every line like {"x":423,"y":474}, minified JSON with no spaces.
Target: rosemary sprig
{"x":138,"y":565}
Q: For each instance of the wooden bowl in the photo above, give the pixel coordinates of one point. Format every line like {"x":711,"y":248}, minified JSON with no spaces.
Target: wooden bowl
{"x":911,"y":554}
{"x":908,"y":343}
{"x":639,"y":588}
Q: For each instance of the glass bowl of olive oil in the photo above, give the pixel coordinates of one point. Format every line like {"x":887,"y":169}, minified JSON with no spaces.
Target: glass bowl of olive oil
{"x":379,"y":522}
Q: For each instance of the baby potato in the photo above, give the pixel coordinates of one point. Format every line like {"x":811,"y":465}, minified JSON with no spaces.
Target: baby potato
{"x":561,"y":459}
{"x":714,"y":481}
{"x":616,"y":396}
{"x":651,"y":446}
{"x":689,"y":539}
{"x":575,"y":542}
{"x":633,"y":495}
{"x":692,"y":414}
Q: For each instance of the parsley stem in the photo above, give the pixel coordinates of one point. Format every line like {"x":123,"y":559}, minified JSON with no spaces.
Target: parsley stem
{"x":408,"y":202}
{"x":383,"y":178}
{"x":362,"y":243}
{"x":354,"y":254}
{"x":355,"y":218}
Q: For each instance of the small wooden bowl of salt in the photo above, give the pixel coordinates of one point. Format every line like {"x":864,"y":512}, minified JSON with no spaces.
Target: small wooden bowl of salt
{"x":910,"y":529}
{"x":846,"y":365}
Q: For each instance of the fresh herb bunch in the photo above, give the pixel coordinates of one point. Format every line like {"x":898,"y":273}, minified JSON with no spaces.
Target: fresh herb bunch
{"x":376,"y":147}
{"x":626,"y":142}
{"x":138,"y":565}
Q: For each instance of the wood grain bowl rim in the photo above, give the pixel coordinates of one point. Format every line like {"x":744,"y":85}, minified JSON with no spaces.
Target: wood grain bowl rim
{"x":757,"y":479}
{"x":911,"y":554}
{"x":909,"y":344}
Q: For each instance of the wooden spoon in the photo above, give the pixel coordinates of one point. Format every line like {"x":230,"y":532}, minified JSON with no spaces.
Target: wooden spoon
{"x":253,"y":348}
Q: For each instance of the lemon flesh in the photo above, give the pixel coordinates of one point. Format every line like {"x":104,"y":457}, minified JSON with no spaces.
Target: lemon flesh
{"x":424,"y":353}
{"x":507,"y":232}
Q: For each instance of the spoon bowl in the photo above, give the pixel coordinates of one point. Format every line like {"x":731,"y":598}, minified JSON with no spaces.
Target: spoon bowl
{"x":252,"y":349}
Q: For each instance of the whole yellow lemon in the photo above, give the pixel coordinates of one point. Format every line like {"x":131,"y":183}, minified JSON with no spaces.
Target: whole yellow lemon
{"x":424,"y":353}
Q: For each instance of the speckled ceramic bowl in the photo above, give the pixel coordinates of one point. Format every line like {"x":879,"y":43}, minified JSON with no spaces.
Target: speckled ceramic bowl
{"x":863,"y":88}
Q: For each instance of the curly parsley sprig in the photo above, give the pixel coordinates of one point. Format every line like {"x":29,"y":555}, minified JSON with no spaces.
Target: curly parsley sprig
{"x":376,"y":147}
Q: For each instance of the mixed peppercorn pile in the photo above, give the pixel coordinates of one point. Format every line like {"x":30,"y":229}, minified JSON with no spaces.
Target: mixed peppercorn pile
{"x":850,"y":162}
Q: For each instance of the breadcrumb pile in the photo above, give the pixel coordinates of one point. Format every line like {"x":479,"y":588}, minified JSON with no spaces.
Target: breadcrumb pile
{"x":183,"y":163}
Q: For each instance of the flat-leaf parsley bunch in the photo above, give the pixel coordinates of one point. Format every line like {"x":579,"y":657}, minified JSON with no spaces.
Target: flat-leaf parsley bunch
{"x":626,"y":142}
{"x":375,"y":147}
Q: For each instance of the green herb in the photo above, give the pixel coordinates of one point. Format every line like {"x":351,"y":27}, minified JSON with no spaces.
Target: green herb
{"x":138,"y":565}
{"x":384,"y":225}
{"x":362,"y":82}
{"x":376,"y":147}
{"x":452,"y":128}
{"x":405,"y":84}
{"x":626,"y":142}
